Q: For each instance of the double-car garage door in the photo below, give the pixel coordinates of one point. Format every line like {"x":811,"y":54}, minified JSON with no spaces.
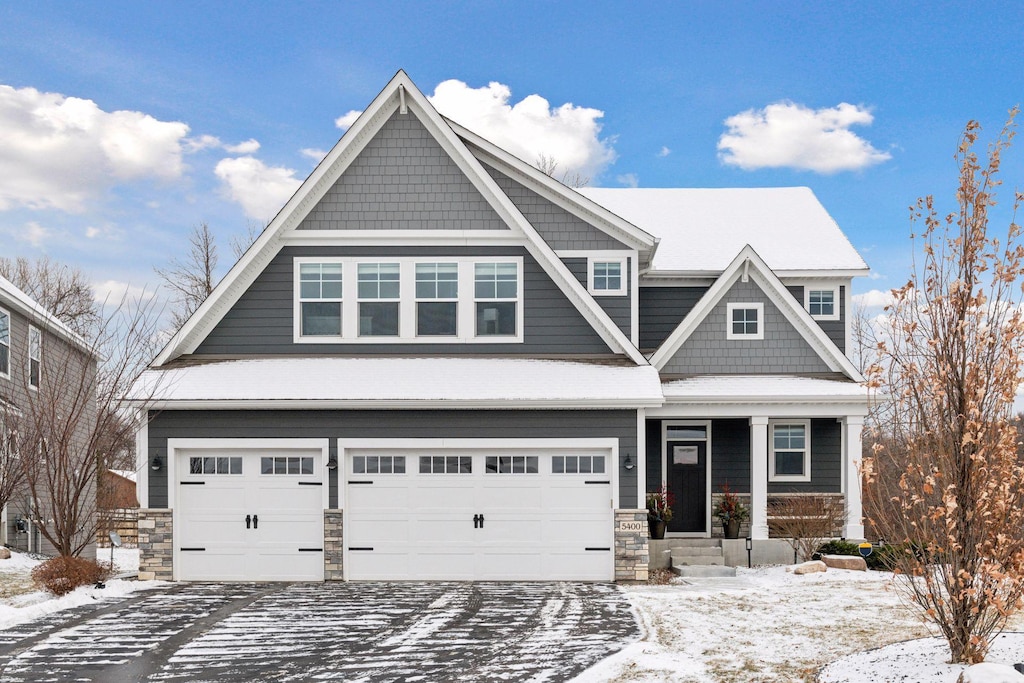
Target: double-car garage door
{"x":409,"y":513}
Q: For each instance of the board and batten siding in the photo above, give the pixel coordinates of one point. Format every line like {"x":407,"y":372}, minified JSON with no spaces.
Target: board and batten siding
{"x":261,"y":321}
{"x":708,"y":352}
{"x":835,"y":329}
{"x":381,"y":424}
{"x":661,"y":311}
{"x":403,"y":180}
{"x":730,"y":457}
{"x":618,"y":308}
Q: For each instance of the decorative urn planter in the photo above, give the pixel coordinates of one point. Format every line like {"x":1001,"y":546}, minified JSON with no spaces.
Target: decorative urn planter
{"x":732,"y":528}
{"x":657,"y":528}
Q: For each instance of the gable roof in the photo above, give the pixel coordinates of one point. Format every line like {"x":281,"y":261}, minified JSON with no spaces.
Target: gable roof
{"x":701,"y":229}
{"x":747,"y":263}
{"x":400,"y":94}
{"x":11,"y":296}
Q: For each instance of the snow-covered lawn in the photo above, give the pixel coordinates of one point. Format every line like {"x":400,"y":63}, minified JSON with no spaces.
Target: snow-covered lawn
{"x":770,"y":625}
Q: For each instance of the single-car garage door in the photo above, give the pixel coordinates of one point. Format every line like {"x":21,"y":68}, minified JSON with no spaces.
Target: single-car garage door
{"x":249,"y":514}
{"x":465,"y":514}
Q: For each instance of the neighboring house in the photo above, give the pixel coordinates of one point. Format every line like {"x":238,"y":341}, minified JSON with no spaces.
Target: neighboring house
{"x":47,"y":372}
{"x":438,"y":363}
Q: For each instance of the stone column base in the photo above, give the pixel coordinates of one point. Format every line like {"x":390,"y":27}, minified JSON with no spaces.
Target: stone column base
{"x":631,"y":537}
{"x":156,"y":549}
{"x":334,"y":569}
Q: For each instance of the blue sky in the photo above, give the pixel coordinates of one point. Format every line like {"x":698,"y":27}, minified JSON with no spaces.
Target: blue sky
{"x":195,"y":112}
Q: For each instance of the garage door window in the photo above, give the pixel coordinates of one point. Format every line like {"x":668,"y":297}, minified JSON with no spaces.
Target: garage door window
{"x":215,"y":465}
{"x":378,"y":464}
{"x":512,"y":464}
{"x":286,"y":465}
{"x":577,"y":464}
{"x":446,"y":464}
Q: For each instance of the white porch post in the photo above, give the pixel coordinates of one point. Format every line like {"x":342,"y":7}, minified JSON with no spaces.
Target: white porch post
{"x":759,"y":477}
{"x":854,"y":527}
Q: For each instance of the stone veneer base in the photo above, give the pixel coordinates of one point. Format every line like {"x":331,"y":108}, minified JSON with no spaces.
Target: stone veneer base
{"x":631,"y":556}
{"x":156,"y":549}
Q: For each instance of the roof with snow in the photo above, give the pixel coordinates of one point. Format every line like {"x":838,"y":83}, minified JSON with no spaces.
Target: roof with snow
{"x":701,"y":230}
{"x":763,"y":388}
{"x":379,"y":382}
{"x":29,"y":307}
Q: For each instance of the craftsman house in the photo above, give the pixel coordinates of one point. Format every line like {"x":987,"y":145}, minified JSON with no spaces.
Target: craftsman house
{"x":439,"y":363}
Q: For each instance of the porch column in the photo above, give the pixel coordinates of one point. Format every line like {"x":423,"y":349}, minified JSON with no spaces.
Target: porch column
{"x":759,"y":477}
{"x":854,"y":526}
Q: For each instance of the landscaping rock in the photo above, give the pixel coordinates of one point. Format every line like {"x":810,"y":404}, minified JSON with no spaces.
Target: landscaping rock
{"x":854,"y":562}
{"x":5,"y":554}
{"x":810,"y":567}
{"x":990,"y":672}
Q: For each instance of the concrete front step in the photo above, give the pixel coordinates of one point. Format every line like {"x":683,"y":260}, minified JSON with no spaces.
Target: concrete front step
{"x":716,"y":550}
{"x":703,"y":571}
{"x":697,"y":560}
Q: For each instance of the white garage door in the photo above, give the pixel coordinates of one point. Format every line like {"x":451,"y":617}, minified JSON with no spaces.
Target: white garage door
{"x":249,"y":515}
{"x":479,"y":515}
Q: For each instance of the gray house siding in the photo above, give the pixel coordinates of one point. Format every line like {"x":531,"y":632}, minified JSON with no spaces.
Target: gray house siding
{"x":618,"y":308}
{"x":661,"y":311}
{"x":379,"y":424}
{"x":559,"y":228}
{"x":403,"y":180}
{"x":782,"y":351}
{"x":730,"y":457}
{"x":260,"y":322}
{"x":835,"y":329}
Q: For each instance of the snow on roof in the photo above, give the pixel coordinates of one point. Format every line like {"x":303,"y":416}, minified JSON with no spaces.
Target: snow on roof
{"x":366,"y":382}
{"x":762,"y":387}
{"x":38,"y":314}
{"x":703,"y":229}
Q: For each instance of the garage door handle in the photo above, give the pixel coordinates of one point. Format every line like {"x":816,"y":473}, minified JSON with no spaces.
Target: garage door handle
{"x":255,"y":522}
{"x":476,"y":521}
{"x":248,"y":521}
{"x":481,"y":521}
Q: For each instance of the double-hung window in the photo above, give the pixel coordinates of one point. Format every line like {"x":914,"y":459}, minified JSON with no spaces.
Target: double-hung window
{"x":822,"y":302}
{"x":437,"y":299}
{"x":607,"y":277}
{"x":790,"y":451}
{"x":496,"y":295}
{"x":320,"y":301}
{"x":745,"y":321}
{"x":379,"y":297}
{"x":5,"y":344}
{"x":35,"y":356}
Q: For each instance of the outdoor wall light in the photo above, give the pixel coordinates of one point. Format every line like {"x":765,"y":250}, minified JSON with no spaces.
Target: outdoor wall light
{"x":156,"y":464}
{"x":628,"y":462}
{"x":332,"y":463}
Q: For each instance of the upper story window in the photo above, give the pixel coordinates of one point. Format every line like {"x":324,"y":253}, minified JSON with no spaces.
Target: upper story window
{"x":35,"y":356}
{"x":789,"y":454}
{"x":607,"y":277}
{"x":320,"y":290}
{"x":437,"y":299}
{"x":496,"y":292}
{"x":745,"y":321}
{"x":5,"y":343}
{"x":406,"y":299}
{"x":822,"y":301}
{"x":379,"y":296}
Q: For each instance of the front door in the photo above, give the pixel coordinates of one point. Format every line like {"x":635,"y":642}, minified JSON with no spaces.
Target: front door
{"x":687,"y":472}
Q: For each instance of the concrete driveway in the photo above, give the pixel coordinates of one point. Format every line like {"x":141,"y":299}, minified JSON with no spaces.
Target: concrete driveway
{"x":330,"y":632}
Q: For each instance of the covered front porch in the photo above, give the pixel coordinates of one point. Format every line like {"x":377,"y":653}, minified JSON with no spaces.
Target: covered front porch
{"x":777,"y":442}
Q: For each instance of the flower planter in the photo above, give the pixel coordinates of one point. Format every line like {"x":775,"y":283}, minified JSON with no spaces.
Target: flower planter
{"x":657,"y":528}
{"x":732,"y":528}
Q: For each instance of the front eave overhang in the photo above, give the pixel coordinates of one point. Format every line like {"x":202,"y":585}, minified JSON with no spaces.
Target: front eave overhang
{"x":397,"y":404}
{"x":824,"y":273}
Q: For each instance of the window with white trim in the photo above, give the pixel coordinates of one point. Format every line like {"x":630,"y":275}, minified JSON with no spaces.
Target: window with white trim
{"x":745,"y":321}
{"x":606,"y":277}
{"x":35,"y":356}
{"x":512,"y":464}
{"x":446,"y":464}
{"x":320,"y":290}
{"x":378,"y":464}
{"x":379,"y":294}
{"x":437,"y":299}
{"x":5,"y":344}
{"x":822,"y":301}
{"x":789,"y":451}
{"x":496,"y":292}
{"x":219,"y":465}
{"x":577,"y":464}
{"x":290,"y":464}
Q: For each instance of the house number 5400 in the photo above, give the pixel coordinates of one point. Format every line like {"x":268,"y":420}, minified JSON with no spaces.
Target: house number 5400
{"x":632,"y":526}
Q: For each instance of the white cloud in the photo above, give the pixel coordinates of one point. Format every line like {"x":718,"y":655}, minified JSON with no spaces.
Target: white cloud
{"x":261,"y":190}
{"x":628,"y":179}
{"x":60,"y":152}
{"x":107,"y":232}
{"x":313,"y":153}
{"x":248,"y":147}
{"x":790,"y":135}
{"x":113,"y":293}
{"x":34,"y":234}
{"x":345,"y":122}
{"x":529,"y":128}
{"x":202,"y":142}
{"x":664,"y":152}
{"x":875,"y":298}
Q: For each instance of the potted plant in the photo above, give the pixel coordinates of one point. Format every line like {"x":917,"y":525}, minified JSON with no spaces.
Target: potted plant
{"x":731,"y":512}
{"x":659,"y":511}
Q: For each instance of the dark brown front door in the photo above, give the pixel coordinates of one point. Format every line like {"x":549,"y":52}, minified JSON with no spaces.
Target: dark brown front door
{"x":687,"y":472}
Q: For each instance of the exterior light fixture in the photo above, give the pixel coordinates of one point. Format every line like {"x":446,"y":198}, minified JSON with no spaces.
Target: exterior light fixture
{"x":750,"y":547}
{"x":628,"y":462}
{"x":332,"y":463}
{"x":156,"y":464}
